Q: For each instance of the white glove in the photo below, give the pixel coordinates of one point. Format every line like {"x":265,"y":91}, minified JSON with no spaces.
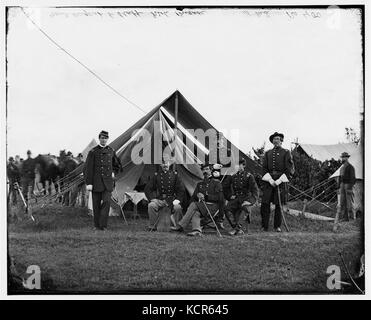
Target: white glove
{"x":113,"y":175}
{"x":200,"y":196}
{"x":89,"y":187}
{"x":246,"y":203}
{"x":268,"y":178}
{"x":176,"y":202}
{"x":281,"y":179}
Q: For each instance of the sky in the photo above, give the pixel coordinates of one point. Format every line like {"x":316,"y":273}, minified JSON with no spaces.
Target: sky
{"x":258,"y":71}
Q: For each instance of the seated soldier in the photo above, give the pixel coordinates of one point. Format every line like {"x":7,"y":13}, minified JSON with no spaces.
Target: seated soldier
{"x":206,"y":200}
{"x":164,"y":189}
{"x":244,"y":194}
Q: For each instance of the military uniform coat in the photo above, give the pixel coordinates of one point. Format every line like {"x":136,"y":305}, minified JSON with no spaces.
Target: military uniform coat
{"x":13,"y":173}
{"x":212,"y":190}
{"x":244,"y":187}
{"x":28,"y":168}
{"x":99,"y":166}
{"x":276,"y":162}
{"x":165,"y":186}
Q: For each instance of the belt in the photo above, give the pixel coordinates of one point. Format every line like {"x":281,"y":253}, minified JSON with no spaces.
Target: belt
{"x":276,"y":172}
{"x":165,"y":195}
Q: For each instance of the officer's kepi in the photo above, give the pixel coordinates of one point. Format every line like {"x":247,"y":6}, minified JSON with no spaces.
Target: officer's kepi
{"x":103,"y":134}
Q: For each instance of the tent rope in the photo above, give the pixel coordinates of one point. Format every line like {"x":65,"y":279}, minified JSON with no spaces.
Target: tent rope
{"x":305,"y":192}
{"x":82,"y":64}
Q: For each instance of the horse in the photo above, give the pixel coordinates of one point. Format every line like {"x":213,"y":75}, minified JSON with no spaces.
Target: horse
{"x":68,"y":173}
{"x":47,"y":168}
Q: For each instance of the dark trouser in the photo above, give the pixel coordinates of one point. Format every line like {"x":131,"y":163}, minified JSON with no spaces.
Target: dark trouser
{"x":235,"y":213}
{"x":265,"y":211}
{"x":73,"y":195}
{"x":270,"y":195}
{"x":83,"y":196}
{"x":27,"y":187}
{"x":198,"y":215}
{"x":12,"y":192}
{"x":345,"y":205}
{"x":66,"y":198}
{"x":219,"y":217}
{"x":101,"y":206}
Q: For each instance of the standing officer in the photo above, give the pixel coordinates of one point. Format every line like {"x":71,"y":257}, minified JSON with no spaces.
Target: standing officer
{"x":208,"y":192}
{"x":347,"y":180}
{"x":278,"y":167}
{"x":164,"y":189}
{"x":28,"y":175}
{"x":13,"y":176}
{"x":100,"y":168}
{"x":244,"y":194}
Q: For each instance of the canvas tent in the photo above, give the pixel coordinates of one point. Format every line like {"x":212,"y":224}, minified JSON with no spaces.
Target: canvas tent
{"x":328,"y":152}
{"x":90,"y":146}
{"x":162,"y":118}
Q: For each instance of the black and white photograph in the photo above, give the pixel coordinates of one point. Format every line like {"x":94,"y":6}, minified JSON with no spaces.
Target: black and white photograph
{"x":181,"y":149}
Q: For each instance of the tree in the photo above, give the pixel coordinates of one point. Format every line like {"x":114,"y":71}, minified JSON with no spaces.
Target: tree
{"x":351,"y":135}
{"x":310,"y":172}
{"x":259,"y":154}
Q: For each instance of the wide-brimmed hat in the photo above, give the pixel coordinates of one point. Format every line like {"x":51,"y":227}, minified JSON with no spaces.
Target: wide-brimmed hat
{"x":345,"y":155}
{"x":276,"y":134}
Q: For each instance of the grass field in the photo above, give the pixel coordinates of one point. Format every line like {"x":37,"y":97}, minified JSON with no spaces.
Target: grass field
{"x":127,"y":259}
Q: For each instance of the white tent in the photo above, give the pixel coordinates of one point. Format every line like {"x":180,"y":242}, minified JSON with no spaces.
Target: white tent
{"x":356,"y":159}
{"x":90,"y":146}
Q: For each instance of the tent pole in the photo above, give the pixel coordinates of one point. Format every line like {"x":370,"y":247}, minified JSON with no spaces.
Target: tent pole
{"x":175,"y":125}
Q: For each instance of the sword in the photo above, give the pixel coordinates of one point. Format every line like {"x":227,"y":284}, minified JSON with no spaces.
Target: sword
{"x":281,"y":208}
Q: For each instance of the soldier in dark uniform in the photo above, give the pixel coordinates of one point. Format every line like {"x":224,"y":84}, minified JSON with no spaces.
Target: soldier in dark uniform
{"x":164,"y":189}
{"x":208,"y":192}
{"x":278,"y":168}
{"x":99,"y":171}
{"x":81,"y":187}
{"x":244,"y":194}
{"x":70,"y":164}
{"x":28,"y":175}
{"x":12,"y":172}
